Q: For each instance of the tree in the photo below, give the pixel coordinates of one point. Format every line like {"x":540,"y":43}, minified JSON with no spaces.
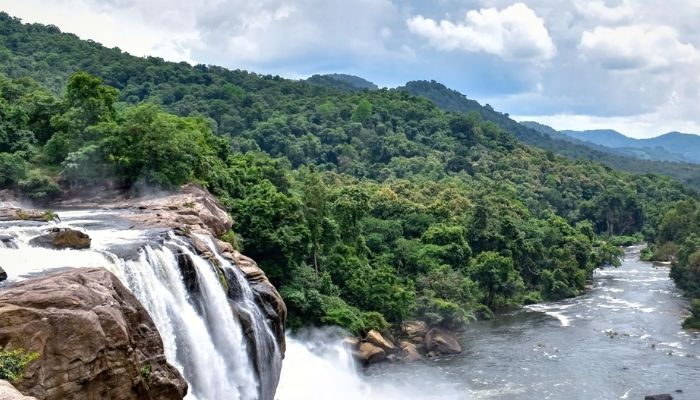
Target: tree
{"x":496,"y":275}
{"x":363,"y":111}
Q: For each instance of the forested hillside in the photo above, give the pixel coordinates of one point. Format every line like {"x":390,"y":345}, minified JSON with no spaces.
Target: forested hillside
{"x":364,"y":208}
{"x":548,"y":139}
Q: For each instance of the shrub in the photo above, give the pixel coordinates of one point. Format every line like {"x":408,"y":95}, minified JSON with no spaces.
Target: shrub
{"x":14,"y":362}
{"x":693,"y":321}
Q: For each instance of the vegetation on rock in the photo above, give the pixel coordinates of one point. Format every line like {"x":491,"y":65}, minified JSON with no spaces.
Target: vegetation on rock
{"x":14,"y":362}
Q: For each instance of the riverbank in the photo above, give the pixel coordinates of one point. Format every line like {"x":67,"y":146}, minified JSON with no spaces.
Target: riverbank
{"x":620,"y":340}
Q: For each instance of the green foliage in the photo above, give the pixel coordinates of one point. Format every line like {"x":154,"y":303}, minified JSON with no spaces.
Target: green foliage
{"x":693,"y":321}
{"x":14,"y":362}
{"x":363,"y":207}
{"x":146,"y":371}
{"x":629,"y":240}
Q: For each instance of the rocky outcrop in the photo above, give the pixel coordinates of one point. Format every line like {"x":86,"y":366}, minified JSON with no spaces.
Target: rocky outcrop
{"x":9,"y":212}
{"x":8,"y":392}
{"x":441,"y":341}
{"x":94,"y":339}
{"x":3,"y":274}
{"x":62,"y":238}
{"x":192,"y":209}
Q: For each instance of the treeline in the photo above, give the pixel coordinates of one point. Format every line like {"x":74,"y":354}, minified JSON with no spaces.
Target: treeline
{"x":364,"y":208}
{"x":678,"y":241}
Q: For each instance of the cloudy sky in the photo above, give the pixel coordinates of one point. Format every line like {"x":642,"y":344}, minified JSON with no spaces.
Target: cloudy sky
{"x":631,"y":65}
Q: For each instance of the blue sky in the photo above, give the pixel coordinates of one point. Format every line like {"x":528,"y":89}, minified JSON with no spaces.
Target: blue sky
{"x":630,"y":65}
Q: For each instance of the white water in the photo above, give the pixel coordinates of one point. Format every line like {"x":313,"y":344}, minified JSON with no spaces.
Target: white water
{"x":317,"y":366}
{"x":202,"y":336}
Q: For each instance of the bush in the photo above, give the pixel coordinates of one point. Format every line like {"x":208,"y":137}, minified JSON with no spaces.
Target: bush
{"x":693,"y":321}
{"x":14,"y":362}
{"x":631,"y":240}
{"x":38,"y":186}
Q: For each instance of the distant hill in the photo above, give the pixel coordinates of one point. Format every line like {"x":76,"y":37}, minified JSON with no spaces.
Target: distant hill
{"x":342,"y":82}
{"x":674,"y":146}
{"x":640,"y":161}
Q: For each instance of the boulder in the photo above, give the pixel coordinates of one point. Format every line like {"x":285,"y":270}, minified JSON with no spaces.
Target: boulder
{"x":441,"y":341}
{"x":659,"y":397}
{"x":62,"y":238}
{"x":8,"y":392}
{"x":94,"y":339}
{"x":368,"y":353}
{"x":7,"y":242}
{"x":3,"y":274}
{"x":410,"y":352}
{"x":415,"y":330}
{"x":378,"y":340}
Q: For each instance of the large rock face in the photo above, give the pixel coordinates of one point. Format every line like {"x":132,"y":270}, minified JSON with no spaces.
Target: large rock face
{"x":94,"y":338}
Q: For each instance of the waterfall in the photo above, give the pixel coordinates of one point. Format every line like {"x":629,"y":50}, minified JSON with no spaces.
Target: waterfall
{"x":212,"y":329}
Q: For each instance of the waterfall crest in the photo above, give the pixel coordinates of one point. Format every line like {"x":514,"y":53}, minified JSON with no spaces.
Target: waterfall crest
{"x":205,"y":311}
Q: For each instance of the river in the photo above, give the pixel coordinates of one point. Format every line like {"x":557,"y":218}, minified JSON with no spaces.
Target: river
{"x":620,"y":340}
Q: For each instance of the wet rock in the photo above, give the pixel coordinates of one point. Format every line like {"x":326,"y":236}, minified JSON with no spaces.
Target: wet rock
{"x":378,"y":340}
{"x":3,"y":274}
{"x":350,"y":342}
{"x":11,"y":213}
{"x":266,"y":295}
{"x":442,"y":341}
{"x":368,"y":353}
{"x":192,"y":208}
{"x":94,"y":339}
{"x":410,"y":352}
{"x":659,"y":397}
{"x":62,"y":238}
{"x":8,"y":392}
{"x":8,"y":242}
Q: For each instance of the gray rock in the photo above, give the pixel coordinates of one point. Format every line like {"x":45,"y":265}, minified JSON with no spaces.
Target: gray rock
{"x":659,"y":397}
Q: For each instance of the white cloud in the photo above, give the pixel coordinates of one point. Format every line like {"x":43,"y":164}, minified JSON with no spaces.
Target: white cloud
{"x":514,"y":33}
{"x":637,"y":47}
{"x":597,"y":9}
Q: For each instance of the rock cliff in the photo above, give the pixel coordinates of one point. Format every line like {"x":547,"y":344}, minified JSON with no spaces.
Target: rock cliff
{"x":94,"y":338}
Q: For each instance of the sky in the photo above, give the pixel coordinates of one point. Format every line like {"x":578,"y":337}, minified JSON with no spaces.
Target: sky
{"x":629,"y":65}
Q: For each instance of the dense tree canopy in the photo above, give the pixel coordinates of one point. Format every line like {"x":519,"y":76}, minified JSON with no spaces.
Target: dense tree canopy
{"x":364,"y":207}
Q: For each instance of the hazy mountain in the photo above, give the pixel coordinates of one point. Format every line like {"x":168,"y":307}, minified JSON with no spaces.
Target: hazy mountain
{"x":674,"y":146}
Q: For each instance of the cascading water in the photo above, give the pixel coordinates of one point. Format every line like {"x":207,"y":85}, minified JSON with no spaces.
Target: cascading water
{"x":216,"y":336}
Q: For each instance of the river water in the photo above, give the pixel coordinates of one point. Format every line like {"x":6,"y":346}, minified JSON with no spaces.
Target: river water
{"x":621,"y":340}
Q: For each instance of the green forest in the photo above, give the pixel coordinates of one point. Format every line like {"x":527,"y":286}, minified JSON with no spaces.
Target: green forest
{"x":365,"y":208}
